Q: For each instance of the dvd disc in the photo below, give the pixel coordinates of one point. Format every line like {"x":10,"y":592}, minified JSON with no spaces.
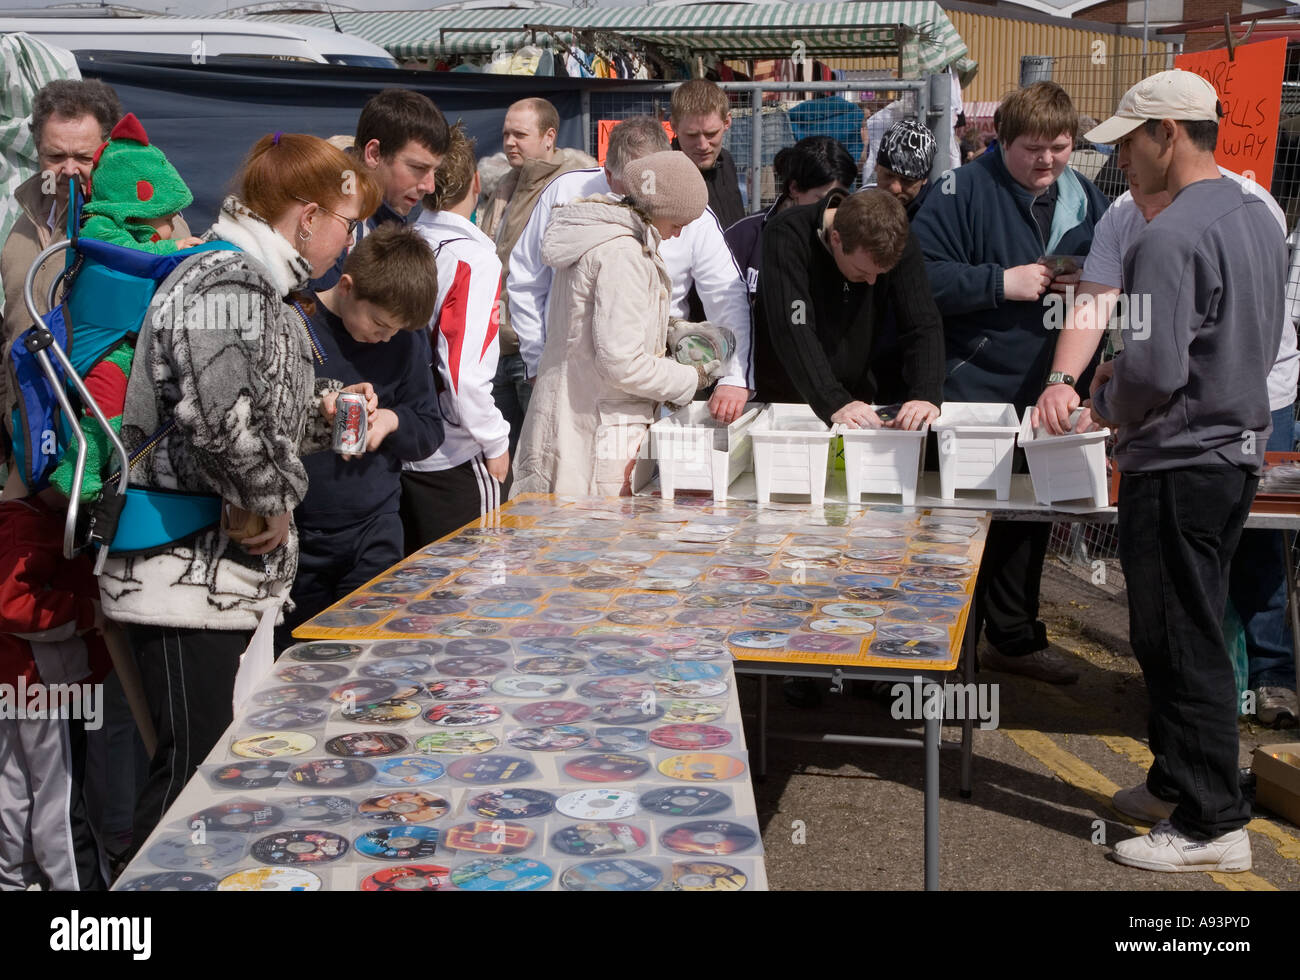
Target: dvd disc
{"x":408,"y":878}
{"x":501,"y":874}
{"x":640,"y":600}
{"x":405,"y":648}
{"x":694,"y":712}
{"x":170,"y":881}
{"x":398,"y":843}
{"x":685,"y":801}
{"x":436,"y":607}
{"x":882,"y":593}
{"x":518,"y":803}
{"x":278,"y":697}
{"x":713,"y":838}
{"x":618,"y":689}
{"x":691,"y":689}
{"x":930,"y":585}
{"x":312,"y":673}
{"x":377,"y":603}
{"x":489,"y":837}
{"x":551,"y":738}
{"x":323,"y":810}
{"x":707,"y":876}
{"x":701,"y":766}
{"x":271,"y":880}
{"x":180,"y":852}
{"x":471,"y":666}
{"x":619,"y":875}
{"x":288,"y":717}
{"x":396,"y":669}
{"x":407,"y":771}
{"x":346,"y":618}
{"x":811,"y":591}
{"x":462,"y":689}
{"x":915,"y":614}
{"x":550,"y":666}
{"x":617,"y":740}
{"x":403,"y":806}
{"x":491,"y":768}
{"x":462,"y":714}
{"x":842,"y":627}
{"x":240,"y":817}
{"x":468,"y":742}
{"x":250,"y":775}
{"x":530,"y":630}
{"x":393,"y":711}
{"x":597,"y":582}
{"x":272,"y":745}
{"x":323,"y":652}
{"x":529,"y":686}
{"x":910,"y":649}
{"x":606,"y":767}
{"x":468,"y":627}
{"x":599,"y":839}
{"x":912,"y":631}
{"x":759,"y":639}
{"x":679,"y":671}
{"x":597,"y":804}
{"x":367,"y":744}
{"x":627,"y":712}
{"x":300,"y":847}
{"x":552,"y":712}
{"x":690,"y":737}
{"x":336,"y":773}
{"x":824,"y":642}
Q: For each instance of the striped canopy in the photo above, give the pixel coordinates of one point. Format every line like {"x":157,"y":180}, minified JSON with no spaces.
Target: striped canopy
{"x":919,"y":32}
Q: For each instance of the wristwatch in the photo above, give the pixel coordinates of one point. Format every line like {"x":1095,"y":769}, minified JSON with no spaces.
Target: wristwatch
{"x":1060,"y":378}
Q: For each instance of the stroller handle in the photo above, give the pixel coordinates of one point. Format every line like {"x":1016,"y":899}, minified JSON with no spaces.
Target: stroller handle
{"x":41,"y":344}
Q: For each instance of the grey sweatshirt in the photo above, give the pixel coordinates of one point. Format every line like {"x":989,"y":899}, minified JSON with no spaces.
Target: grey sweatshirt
{"x":1191,"y":386}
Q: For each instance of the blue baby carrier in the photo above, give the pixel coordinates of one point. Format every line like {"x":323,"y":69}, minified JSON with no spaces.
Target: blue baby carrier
{"x":106,"y":292}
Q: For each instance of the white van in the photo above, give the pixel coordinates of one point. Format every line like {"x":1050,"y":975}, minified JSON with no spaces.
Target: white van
{"x":201,"y":39}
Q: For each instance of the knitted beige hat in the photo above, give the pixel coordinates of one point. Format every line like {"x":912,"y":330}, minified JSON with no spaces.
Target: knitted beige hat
{"x":667,"y":186}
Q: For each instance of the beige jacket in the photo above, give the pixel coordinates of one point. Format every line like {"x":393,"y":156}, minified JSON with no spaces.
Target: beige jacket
{"x":29,"y":236}
{"x":603,"y":373}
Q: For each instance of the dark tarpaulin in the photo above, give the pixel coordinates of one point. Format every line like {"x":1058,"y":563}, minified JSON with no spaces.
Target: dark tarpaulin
{"x":206,"y":117}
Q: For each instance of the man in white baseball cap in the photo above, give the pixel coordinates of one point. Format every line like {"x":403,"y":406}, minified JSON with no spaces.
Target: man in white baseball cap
{"x":1189,"y":399}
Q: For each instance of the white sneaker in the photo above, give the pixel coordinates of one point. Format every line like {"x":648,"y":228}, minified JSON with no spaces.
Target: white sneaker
{"x":1140,"y":803}
{"x":1165,"y":849}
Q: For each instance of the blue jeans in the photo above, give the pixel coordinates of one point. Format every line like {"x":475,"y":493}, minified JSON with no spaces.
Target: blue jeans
{"x":1178,"y":530}
{"x":511,"y":392}
{"x":1257,"y":586}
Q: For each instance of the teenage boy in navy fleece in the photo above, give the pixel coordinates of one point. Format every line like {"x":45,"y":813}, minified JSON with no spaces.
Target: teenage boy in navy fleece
{"x":368,"y":327}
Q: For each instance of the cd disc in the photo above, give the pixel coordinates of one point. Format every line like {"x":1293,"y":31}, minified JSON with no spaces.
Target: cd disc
{"x":606,"y":767}
{"x":691,"y":689}
{"x":549,"y":738}
{"x":271,"y":880}
{"x":619,"y":875}
{"x":403,"y":806}
{"x":617,"y":740}
{"x":551,"y":712}
{"x":460,"y":714}
{"x":529,"y":686}
{"x":714,"y":838}
{"x":489,"y":837}
{"x":367,"y":744}
{"x":501,"y":874}
{"x":312,"y":673}
{"x":398,"y":843}
{"x":336,"y":773}
{"x":408,"y":878}
{"x":491,"y":768}
{"x":363,"y":692}
{"x":250,"y":775}
{"x":180,"y":852}
{"x":461,"y":689}
{"x":686,"y":801}
{"x":407,"y":771}
{"x":271,"y":745}
{"x":599,"y":839}
{"x":405,"y":648}
{"x":518,"y":803}
{"x":321,"y":810}
{"x":393,"y":711}
{"x":707,"y":876}
{"x":627,"y":712}
{"x":240,"y":817}
{"x":618,"y":689}
{"x":701,"y":766}
{"x":467,"y":742}
{"x":477,"y":647}
{"x":288,"y":717}
{"x":170,"y":881}
{"x":323,"y":652}
{"x":278,"y":697}
{"x":396,"y":669}
{"x":551,"y":666}
{"x":471,"y":666}
{"x":598,"y":804}
{"x":300,"y":847}
{"x":690,"y":736}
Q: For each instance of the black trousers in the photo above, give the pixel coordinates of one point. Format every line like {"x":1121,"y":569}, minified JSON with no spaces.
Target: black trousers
{"x":437,"y":502}
{"x":1009,"y":586}
{"x":189,"y":679}
{"x":1178,"y":530}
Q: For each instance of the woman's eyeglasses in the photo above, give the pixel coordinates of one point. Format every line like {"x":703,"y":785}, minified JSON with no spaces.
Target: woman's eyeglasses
{"x":350,"y":222}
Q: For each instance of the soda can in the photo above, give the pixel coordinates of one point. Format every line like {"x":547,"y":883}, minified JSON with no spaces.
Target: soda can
{"x":350,"y":423}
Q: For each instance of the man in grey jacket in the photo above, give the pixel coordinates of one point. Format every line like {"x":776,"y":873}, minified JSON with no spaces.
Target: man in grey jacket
{"x":1190,"y":401}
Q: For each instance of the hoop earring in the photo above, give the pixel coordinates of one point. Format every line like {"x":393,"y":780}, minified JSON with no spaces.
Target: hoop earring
{"x":304,"y":237}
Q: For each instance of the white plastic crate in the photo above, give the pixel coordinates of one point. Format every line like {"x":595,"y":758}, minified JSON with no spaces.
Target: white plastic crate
{"x":882,"y":461}
{"x":1066,"y":467}
{"x":977,"y":441}
{"x":792,"y":449}
{"x":696,"y":452}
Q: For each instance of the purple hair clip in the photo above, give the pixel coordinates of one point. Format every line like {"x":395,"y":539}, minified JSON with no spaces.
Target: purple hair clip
{"x":275,"y":140}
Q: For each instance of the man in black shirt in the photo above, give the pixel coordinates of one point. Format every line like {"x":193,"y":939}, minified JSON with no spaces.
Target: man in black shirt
{"x":701,"y":117}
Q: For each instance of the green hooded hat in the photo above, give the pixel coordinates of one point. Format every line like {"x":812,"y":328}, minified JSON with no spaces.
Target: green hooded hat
{"x":131,"y":179}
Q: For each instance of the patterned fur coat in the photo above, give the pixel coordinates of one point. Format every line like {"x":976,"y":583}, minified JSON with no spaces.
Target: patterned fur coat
{"x":230,"y":361}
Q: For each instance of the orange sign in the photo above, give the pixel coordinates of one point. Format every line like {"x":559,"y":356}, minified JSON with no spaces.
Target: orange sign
{"x":606,"y":126}
{"x":1250,"y":88}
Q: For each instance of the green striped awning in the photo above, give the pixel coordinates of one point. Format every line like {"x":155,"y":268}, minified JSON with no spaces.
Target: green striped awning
{"x":920,"y":32}
{"x":26,"y":65}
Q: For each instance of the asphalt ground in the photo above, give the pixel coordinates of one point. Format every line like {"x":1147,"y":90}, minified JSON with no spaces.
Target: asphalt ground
{"x":838,"y":817}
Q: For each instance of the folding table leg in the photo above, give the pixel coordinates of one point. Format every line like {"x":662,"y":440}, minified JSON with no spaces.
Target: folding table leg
{"x":933,"y":728}
{"x":969,"y":643}
{"x":762,"y":726}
